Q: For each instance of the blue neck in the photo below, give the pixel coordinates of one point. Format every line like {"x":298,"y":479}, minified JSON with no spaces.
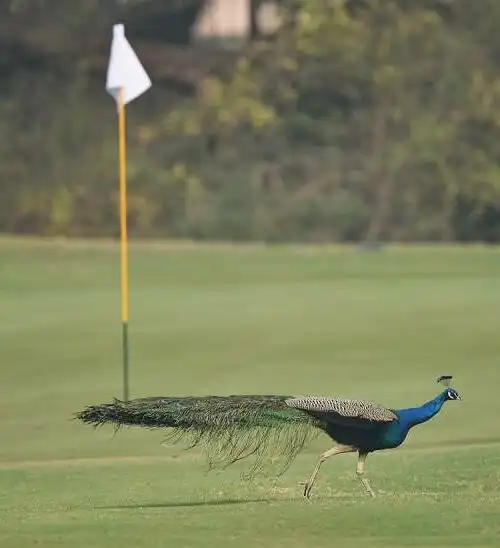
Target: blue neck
{"x":412,"y":416}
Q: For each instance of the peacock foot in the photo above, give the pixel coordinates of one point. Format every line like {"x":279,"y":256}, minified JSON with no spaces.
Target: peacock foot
{"x":307,"y":489}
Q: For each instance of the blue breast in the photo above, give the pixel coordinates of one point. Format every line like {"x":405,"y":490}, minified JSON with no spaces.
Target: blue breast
{"x":387,"y":435}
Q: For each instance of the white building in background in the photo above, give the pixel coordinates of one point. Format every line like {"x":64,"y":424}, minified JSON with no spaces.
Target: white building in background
{"x":231,"y":19}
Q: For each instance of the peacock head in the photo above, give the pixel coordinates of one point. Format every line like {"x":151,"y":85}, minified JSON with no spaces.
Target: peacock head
{"x":450,"y":393}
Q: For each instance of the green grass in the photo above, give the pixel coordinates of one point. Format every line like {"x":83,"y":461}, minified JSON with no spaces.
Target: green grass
{"x":226,"y":319}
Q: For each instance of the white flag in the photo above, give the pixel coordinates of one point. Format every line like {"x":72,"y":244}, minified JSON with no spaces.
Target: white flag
{"x":125,"y":70}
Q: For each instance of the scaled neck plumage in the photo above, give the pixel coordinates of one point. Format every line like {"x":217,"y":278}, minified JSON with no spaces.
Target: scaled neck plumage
{"x":411,"y":416}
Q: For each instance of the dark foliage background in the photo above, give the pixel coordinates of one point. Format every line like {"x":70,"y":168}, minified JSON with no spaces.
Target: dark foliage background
{"x":354,"y":120}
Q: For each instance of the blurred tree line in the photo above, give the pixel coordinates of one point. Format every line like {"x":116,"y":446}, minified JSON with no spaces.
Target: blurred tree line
{"x":354,"y":120}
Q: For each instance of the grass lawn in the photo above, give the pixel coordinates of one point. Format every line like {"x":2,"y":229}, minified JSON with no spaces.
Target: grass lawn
{"x":225,"y":319}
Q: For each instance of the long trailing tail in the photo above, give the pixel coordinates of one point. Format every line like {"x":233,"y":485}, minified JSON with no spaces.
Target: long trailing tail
{"x":227,"y":428}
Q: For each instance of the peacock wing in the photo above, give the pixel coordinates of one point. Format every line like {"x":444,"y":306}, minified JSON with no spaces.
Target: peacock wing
{"x":346,"y":412}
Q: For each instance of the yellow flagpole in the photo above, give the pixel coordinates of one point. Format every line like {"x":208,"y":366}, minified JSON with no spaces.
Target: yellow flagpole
{"x":123,"y":242}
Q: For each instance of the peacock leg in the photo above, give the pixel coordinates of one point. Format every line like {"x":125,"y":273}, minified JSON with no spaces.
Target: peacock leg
{"x":337,"y":450}
{"x":360,"y":470}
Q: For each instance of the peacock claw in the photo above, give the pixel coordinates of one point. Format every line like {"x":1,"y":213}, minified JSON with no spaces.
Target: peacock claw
{"x":307,"y":489}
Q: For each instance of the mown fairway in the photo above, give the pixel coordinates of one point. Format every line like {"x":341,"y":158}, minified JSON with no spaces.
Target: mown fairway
{"x":231,"y":320}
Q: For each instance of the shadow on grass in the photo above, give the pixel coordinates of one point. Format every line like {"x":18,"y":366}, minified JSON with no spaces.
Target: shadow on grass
{"x":189,"y":504}
{"x":214,"y":502}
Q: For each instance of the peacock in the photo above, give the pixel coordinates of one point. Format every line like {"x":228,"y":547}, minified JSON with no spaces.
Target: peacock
{"x":232,"y":428}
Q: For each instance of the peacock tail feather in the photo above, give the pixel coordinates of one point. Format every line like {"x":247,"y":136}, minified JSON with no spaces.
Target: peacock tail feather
{"x":227,"y":428}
